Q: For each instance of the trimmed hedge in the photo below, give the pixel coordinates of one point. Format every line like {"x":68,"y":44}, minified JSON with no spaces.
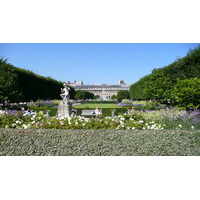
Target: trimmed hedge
{"x":33,"y":142}
{"x":53,"y":111}
{"x":105,"y":111}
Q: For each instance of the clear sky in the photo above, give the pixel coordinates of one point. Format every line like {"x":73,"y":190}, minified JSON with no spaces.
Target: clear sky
{"x":93,"y":63}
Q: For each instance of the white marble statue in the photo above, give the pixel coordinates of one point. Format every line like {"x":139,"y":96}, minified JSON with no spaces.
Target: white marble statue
{"x":65,"y":93}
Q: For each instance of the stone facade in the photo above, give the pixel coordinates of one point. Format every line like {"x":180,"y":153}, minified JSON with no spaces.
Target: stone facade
{"x":103,"y":90}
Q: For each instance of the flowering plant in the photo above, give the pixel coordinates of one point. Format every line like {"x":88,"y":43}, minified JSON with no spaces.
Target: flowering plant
{"x":162,"y":119}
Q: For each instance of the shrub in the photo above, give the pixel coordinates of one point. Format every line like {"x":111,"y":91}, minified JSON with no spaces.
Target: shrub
{"x":99,"y":143}
{"x":186,"y":93}
{"x":52,"y":111}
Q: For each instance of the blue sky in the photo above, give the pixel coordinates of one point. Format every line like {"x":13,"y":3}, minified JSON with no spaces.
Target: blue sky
{"x":93,"y":63}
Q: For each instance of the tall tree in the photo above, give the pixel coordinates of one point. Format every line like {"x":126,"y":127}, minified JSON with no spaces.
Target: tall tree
{"x":123,"y":94}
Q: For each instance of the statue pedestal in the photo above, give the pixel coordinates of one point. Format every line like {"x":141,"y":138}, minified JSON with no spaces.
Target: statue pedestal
{"x":64,"y":109}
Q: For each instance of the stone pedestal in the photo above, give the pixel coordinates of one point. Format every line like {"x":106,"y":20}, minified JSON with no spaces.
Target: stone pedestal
{"x":64,"y":109}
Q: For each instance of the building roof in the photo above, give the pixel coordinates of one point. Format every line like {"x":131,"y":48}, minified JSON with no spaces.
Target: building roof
{"x":100,"y":86}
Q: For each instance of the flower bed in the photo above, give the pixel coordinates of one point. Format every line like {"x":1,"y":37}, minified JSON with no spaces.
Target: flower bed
{"x":174,"y":118}
{"x":162,"y":119}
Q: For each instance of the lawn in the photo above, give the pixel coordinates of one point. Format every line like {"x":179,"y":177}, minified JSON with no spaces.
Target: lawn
{"x":91,"y":105}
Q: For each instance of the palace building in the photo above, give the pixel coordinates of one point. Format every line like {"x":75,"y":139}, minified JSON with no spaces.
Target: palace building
{"x":105,"y":91}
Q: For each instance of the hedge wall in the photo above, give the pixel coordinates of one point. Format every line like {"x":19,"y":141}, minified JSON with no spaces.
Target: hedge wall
{"x":105,"y":111}
{"x":36,"y":87}
{"x":160,"y":83}
{"x":18,"y":84}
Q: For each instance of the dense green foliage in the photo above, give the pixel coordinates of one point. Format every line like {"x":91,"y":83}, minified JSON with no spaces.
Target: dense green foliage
{"x":123,"y":94}
{"x":94,"y":105}
{"x":160,"y":83}
{"x":96,"y":97}
{"x":187,"y":93}
{"x":113,"y":97}
{"x":52,"y":111}
{"x":22,"y":85}
{"x":136,"y":89}
{"x":35,"y":87}
{"x":80,"y":94}
{"x":105,"y":111}
{"x":9,"y":86}
{"x":18,"y":142}
{"x":157,"y":119}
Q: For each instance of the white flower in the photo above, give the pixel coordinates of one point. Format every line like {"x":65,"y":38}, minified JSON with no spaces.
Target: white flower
{"x":13,"y":125}
{"x":25,"y":126}
{"x":133,"y":128}
{"x":192,"y":127}
{"x":2,"y":112}
{"x":33,"y":117}
{"x":153,"y":126}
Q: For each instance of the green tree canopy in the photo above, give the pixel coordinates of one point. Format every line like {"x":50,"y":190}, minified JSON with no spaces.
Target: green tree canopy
{"x":113,"y":97}
{"x":161,"y":82}
{"x":96,"y":97}
{"x":9,"y":85}
{"x":123,"y":94}
{"x":186,"y":93}
{"x":81,"y":94}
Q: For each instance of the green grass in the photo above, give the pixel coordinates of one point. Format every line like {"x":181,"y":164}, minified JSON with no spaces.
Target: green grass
{"x":88,"y":105}
{"x":24,"y":142}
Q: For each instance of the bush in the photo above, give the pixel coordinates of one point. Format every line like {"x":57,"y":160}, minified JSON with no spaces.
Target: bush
{"x":152,"y":105}
{"x":105,"y":111}
{"x":186,"y":93}
{"x":41,"y":103}
{"x":52,"y":111}
{"x":41,"y":120}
